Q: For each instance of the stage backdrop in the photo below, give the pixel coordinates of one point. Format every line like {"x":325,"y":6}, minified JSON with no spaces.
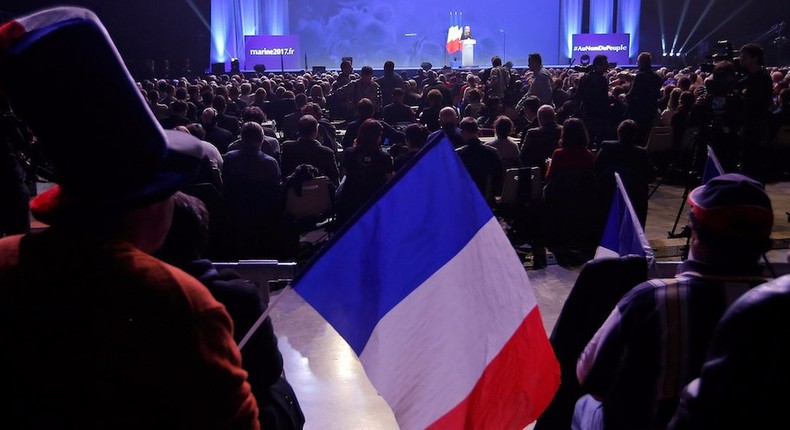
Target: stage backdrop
{"x":407,"y":32}
{"x":614,"y":46}
{"x":410,"y":32}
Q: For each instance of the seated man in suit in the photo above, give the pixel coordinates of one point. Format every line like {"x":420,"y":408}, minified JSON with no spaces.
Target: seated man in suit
{"x":307,"y":150}
{"x":365,"y":110}
{"x":539,"y":143}
{"x":290,"y":123}
{"x":397,"y":111}
{"x":482,"y":161}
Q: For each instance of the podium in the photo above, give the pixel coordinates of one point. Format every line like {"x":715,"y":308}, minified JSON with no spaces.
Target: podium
{"x":468,"y":52}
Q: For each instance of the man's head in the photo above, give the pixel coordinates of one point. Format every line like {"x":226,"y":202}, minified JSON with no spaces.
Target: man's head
{"x":644,"y":61}
{"x":416,"y":135}
{"x":752,"y":57}
{"x":502,"y":127}
{"x":308,"y":127}
{"x":731,"y":220}
{"x":366,"y":75}
{"x":601,"y":63}
{"x":208,"y":117}
{"x":496,"y":61}
{"x":469,"y":128}
{"x":188,"y":237}
{"x":301,"y":100}
{"x":345,"y":67}
{"x":397,"y":95}
{"x":312,"y":109}
{"x":535,"y":62}
{"x":448,"y":117}
{"x":546,"y":116}
{"x":627,"y":131}
{"x":389,"y":67}
{"x":365,"y":108}
{"x":434,"y":97}
{"x":252,"y":135}
{"x":531,"y":106}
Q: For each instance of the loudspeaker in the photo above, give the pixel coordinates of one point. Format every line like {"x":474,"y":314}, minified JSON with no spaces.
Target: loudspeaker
{"x":319,"y":69}
{"x":217,"y":68}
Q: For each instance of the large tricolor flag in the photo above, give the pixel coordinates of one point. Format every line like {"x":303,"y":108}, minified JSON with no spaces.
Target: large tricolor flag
{"x":712,"y":167}
{"x":454,"y":39}
{"x":623,"y":235}
{"x":426,"y":288}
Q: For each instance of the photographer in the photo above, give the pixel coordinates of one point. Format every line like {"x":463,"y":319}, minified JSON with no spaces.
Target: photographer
{"x":756,"y":90}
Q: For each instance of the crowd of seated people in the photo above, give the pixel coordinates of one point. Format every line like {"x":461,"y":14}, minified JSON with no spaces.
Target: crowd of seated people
{"x":314,"y":118}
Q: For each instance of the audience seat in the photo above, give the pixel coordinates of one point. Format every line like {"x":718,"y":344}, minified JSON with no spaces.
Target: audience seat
{"x":313,"y":208}
{"x":600,"y":285}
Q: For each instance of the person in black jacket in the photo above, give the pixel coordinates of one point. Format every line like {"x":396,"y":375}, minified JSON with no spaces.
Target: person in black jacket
{"x":643,"y":97}
{"x":633,"y":164}
{"x":482,"y":161}
{"x":184,"y":247}
{"x":593,"y":97}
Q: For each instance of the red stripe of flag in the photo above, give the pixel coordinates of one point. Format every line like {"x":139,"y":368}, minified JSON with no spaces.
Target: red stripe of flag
{"x":9,"y":32}
{"x":515,"y":388}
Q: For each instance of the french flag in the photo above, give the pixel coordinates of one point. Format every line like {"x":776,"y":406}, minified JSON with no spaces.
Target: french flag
{"x":712,"y":167}
{"x":426,"y":288}
{"x":623,"y":235}
{"x":453,"y":39}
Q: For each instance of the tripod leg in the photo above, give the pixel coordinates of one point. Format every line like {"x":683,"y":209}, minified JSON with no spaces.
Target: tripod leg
{"x":673,"y":234}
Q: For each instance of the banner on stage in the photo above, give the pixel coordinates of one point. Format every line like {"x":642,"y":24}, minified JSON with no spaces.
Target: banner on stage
{"x":274,"y":52}
{"x":614,"y":45}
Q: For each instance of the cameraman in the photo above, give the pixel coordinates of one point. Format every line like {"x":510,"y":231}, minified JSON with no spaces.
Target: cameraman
{"x":756,"y":89}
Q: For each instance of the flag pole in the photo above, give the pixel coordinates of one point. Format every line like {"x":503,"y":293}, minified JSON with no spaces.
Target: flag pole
{"x":263,"y":316}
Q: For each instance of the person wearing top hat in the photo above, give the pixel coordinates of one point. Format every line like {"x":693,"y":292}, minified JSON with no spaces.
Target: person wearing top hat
{"x":95,"y":331}
{"x":655,"y":340}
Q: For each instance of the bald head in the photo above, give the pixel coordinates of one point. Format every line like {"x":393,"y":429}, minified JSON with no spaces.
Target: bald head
{"x":448,"y":116}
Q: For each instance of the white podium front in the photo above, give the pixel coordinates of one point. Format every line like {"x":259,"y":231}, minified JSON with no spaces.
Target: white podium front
{"x":468,"y":52}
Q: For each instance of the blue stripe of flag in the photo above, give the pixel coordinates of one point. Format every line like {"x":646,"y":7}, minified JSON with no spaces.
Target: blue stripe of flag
{"x":621,"y":234}
{"x":424,"y":217}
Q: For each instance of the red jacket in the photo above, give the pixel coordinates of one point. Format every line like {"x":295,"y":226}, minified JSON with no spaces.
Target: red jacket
{"x":102,"y":335}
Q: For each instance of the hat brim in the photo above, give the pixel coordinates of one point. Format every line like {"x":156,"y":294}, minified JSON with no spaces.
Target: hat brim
{"x":180,"y":167}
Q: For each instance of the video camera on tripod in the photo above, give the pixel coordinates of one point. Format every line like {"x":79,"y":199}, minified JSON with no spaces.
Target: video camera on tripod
{"x":726,"y":70}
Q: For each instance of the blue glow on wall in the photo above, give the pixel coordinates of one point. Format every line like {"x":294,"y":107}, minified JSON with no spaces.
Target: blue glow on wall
{"x":231,"y":20}
{"x":628,"y":22}
{"x":570,"y":24}
{"x":601,"y":16}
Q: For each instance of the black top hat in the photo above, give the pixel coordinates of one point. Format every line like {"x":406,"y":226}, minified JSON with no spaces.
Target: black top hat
{"x":107,"y":149}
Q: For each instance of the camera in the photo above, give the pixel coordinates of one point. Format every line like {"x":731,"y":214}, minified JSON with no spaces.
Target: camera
{"x":723,"y":52}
